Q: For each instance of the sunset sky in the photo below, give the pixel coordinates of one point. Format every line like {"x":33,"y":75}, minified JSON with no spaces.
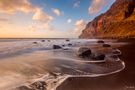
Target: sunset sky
{"x":48,"y":18}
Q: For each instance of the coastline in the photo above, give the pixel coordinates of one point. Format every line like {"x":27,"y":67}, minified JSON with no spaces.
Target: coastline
{"x":123,"y":80}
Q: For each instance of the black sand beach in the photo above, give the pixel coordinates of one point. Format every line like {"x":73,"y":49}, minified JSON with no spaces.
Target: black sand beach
{"x":124,"y":80}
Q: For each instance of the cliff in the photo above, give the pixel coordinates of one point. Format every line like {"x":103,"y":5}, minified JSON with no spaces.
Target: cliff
{"x":117,"y":22}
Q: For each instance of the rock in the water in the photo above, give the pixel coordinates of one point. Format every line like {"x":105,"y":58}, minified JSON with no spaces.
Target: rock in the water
{"x":34,"y":42}
{"x":98,"y":56}
{"x":23,"y":88}
{"x":116,"y":52}
{"x":56,"y":47}
{"x":69,"y":44}
{"x":67,"y":40}
{"x":100,"y":41}
{"x":39,"y":85}
{"x":84,"y":52}
{"x":106,"y":45}
{"x":43,"y":40}
{"x":63,"y":45}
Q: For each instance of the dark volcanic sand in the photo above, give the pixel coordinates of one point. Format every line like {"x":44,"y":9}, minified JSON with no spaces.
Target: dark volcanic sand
{"x":124,"y":80}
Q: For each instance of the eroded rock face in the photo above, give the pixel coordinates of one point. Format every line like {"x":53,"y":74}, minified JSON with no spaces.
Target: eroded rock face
{"x":117,"y":22}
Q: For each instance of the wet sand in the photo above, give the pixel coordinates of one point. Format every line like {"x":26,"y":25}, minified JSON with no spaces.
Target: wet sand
{"x":124,"y":80}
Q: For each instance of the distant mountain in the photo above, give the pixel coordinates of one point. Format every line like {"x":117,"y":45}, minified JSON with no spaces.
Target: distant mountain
{"x":117,"y":22}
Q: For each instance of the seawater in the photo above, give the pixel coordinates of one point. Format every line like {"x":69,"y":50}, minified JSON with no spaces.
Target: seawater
{"x":22,"y":61}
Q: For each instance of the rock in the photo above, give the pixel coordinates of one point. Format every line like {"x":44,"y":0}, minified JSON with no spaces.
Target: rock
{"x":100,"y":41}
{"x":116,"y":52}
{"x":98,"y":56}
{"x":39,"y":85}
{"x":84,"y":52}
{"x":69,"y":44}
{"x":35,"y":43}
{"x":63,"y":45}
{"x":56,"y":47}
{"x":43,"y":40}
{"x":106,"y":45}
{"x":67,"y":40}
{"x":23,"y":88}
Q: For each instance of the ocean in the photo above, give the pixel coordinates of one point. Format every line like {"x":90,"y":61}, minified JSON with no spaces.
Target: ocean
{"x":24,"y":61}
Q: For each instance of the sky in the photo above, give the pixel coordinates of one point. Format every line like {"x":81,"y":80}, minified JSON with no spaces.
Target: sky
{"x":48,"y":18}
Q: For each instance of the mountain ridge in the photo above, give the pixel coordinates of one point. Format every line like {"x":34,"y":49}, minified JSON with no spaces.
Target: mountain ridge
{"x":117,"y":22}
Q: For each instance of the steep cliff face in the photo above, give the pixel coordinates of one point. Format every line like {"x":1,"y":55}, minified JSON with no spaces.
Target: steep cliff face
{"x":117,"y":22}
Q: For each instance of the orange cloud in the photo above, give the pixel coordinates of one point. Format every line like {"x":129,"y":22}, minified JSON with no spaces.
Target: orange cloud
{"x":42,"y":16}
{"x":11,"y":6}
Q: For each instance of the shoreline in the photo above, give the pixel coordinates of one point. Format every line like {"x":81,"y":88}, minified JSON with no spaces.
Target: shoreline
{"x":123,"y":80}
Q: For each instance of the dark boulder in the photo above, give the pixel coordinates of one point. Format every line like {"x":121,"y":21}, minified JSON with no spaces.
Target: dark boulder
{"x":106,"y":45}
{"x":56,"y":47}
{"x":70,"y":44}
{"x":35,"y":43}
{"x":98,"y":56}
{"x":67,"y":40}
{"x":43,"y":40}
{"x":84,"y":52}
{"x":100,"y":41}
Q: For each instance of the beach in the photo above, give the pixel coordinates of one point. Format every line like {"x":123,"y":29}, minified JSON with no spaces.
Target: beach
{"x":53,"y":64}
{"x":123,"y":80}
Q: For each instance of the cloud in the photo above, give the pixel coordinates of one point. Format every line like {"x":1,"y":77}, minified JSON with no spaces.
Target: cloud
{"x":97,"y":6}
{"x":11,"y":6}
{"x":79,"y":26}
{"x":76,"y":4}
{"x":69,"y":20}
{"x":3,"y":19}
{"x":57,"y":12}
{"x":42,"y":16}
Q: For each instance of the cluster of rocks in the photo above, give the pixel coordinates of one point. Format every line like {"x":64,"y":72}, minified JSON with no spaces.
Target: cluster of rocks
{"x":85,"y":52}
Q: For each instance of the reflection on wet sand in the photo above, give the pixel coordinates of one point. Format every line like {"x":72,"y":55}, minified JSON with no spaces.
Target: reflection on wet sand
{"x":53,"y":67}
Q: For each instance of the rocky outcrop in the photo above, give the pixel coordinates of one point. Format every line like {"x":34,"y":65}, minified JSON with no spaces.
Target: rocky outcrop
{"x":117,"y":22}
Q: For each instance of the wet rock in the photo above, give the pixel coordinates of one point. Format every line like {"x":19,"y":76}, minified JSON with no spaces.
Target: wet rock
{"x":43,"y":40}
{"x":70,"y":44}
{"x":67,"y":40}
{"x":116,"y":52}
{"x":84,"y":52}
{"x":98,"y":56}
{"x":39,"y":85}
{"x":56,"y":47}
{"x":100,"y":41}
{"x":35,"y":43}
{"x":24,"y":88}
{"x":106,"y":45}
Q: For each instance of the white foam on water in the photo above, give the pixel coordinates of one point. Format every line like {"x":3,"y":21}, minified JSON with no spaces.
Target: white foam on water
{"x":9,"y":48}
